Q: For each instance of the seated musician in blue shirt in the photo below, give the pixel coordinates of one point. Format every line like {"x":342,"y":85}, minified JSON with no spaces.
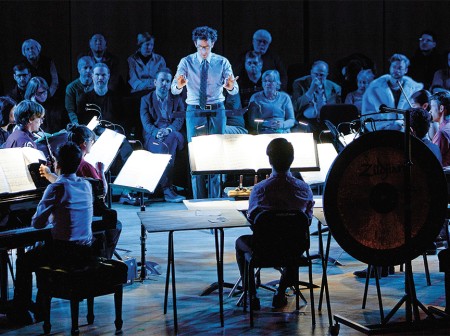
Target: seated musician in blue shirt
{"x":67,"y":205}
{"x":281,"y":191}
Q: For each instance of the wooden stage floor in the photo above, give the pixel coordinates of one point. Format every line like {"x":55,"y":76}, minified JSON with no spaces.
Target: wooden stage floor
{"x":199,"y":315}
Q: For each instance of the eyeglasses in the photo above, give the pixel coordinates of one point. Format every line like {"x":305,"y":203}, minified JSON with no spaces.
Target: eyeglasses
{"x":425,"y":40}
{"x":269,"y":81}
{"x":319,"y":74}
{"x":207,"y":48}
{"x":253,"y":62}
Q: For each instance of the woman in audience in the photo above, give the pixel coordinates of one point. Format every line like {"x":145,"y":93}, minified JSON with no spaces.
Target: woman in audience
{"x":442,"y":76}
{"x":364,"y":78}
{"x":271,"y":110}
{"x":144,"y":64}
{"x":7,"y":106}
{"x":38,"y":91}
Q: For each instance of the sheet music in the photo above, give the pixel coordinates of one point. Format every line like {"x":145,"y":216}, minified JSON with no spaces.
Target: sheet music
{"x":247,"y":152}
{"x":14,"y":174}
{"x":327,"y":155}
{"x":105,"y":148}
{"x":143,"y":170}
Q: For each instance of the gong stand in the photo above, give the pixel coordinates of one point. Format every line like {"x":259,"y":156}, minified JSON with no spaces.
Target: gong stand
{"x":410,"y":300}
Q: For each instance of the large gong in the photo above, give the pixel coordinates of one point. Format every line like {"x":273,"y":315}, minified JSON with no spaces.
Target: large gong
{"x":364,"y":194}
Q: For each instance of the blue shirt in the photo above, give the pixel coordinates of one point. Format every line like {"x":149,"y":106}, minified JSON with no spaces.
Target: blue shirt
{"x":67,"y":205}
{"x":281,"y":191}
{"x":219,"y":70}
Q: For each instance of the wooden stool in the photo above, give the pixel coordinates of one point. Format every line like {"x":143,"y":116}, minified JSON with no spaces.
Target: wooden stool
{"x":75,"y":283}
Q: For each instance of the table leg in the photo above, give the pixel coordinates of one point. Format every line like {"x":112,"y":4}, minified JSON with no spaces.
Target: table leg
{"x":169,"y":264}
{"x":219,"y":241}
{"x":174,"y":290}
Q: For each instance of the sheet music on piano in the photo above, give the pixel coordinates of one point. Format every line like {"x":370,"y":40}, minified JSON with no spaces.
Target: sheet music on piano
{"x":14,"y":173}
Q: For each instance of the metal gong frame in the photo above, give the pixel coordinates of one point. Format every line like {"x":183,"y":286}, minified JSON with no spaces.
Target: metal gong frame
{"x":384,"y":206}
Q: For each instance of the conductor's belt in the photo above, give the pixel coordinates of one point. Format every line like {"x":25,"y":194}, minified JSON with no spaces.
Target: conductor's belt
{"x":208,"y":106}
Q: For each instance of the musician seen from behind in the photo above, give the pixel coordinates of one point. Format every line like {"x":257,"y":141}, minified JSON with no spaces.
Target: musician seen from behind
{"x":387,"y":90}
{"x":205,"y":75}
{"x":440,"y":112}
{"x":85,"y":138}
{"x":271,"y":110}
{"x":67,"y":205}
{"x":29,"y":117}
{"x":310,"y":93}
{"x":281,"y":191}
{"x":161,"y":131}
{"x":7,"y":106}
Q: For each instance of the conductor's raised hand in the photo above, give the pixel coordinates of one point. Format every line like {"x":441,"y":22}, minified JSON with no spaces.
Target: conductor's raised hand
{"x":181,"y":81}
{"x":229,"y":83}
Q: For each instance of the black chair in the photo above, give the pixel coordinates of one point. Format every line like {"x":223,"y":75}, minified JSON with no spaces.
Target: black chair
{"x":78,"y":281}
{"x":280,"y":238}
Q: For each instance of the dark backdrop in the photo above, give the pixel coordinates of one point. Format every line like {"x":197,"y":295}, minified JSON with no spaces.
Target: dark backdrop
{"x":302,"y":31}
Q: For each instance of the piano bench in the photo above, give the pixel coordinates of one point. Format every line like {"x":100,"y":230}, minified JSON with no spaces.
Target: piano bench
{"x":76,"y":283}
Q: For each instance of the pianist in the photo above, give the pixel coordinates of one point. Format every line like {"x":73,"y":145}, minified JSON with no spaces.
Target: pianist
{"x":29,"y":117}
{"x":67,"y":205}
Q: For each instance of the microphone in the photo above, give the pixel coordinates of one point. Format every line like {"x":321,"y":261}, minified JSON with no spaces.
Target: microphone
{"x":384,"y":109}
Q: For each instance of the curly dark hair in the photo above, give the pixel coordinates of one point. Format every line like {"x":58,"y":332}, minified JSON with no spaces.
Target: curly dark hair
{"x":6,"y":104}
{"x":204,"y":33}
{"x":420,"y":121}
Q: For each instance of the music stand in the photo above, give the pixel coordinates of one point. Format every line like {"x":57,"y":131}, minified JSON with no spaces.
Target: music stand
{"x":141,"y":173}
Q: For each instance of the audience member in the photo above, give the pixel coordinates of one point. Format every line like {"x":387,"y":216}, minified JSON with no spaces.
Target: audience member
{"x":100,"y":102}
{"x":40,"y":65}
{"x":387,"y":90}
{"x":204,"y":74}
{"x":426,"y":60}
{"x":311,"y":92}
{"x":144,"y":64}
{"x":161,"y":130}
{"x":22,"y":76}
{"x":271,"y":110}
{"x":281,"y":191}
{"x":7,"y":122}
{"x":81,"y":85}
{"x":99,"y":54}
{"x":29,"y":117}
{"x":67,"y":205}
{"x":55,"y":118}
{"x":235,"y":123}
{"x":347,"y":70}
{"x":271,"y":61}
{"x":365,"y":77}
{"x":250,"y":80}
{"x":442,"y":76}
{"x":440,"y":112}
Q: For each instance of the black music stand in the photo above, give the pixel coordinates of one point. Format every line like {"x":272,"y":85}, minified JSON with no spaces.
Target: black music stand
{"x":141,"y":173}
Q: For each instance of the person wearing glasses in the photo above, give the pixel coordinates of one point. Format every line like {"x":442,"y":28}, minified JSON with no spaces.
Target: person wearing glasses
{"x":22,"y":76}
{"x":271,"y":110}
{"x":56,"y":119}
{"x":205,"y":75}
{"x":310,"y":93}
{"x":271,"y":61}
{"x":426,"y":59}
